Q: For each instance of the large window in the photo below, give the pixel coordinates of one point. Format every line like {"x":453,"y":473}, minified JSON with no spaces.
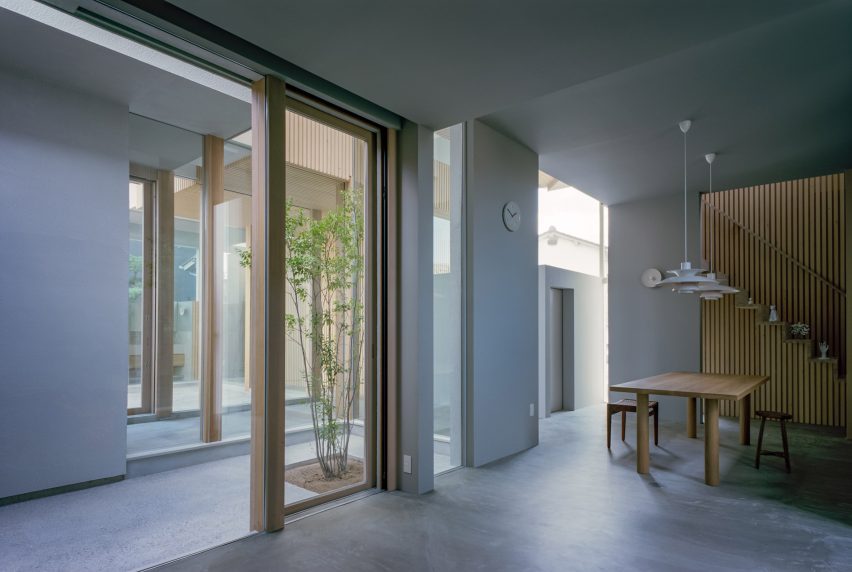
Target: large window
{"x":447,"y":277}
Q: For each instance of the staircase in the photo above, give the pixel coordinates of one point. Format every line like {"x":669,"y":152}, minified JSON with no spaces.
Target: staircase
{"x":801,"y":383}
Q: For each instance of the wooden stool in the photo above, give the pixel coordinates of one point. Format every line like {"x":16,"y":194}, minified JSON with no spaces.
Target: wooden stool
{"x":783,"y":418}
{"x":629,"y":405}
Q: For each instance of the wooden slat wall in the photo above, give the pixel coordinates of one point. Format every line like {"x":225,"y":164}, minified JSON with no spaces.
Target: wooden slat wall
{"x":441,"y":201}
{"x":318,"y":147}
{"x":783,"y":244}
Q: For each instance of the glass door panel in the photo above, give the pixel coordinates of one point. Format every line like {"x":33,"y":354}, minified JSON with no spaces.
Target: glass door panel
{"x":329,"y":382}
{"x":136,"y":276}
{"x":187,"y":294}
{"x":232,"y":231}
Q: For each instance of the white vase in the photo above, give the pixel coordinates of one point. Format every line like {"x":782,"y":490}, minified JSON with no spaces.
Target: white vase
{"x":773,"y":314}
{"x":823,"y":350}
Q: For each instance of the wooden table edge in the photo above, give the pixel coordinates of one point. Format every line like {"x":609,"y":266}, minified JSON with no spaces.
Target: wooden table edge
{"x":620,"y":388}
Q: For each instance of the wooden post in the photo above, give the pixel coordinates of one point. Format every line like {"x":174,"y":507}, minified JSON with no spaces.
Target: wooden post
{"x":711,"y":442}
{"x":745,"y":420}
{"x":164,"y":294}
{"x":267,"y":304}
{"x":247,"y":320}
{"x":212,"y":194}
{"x":691,"y":418}
{"x":148,"y":300}
{"x":847,"y":180}
{"x":643,"y":460}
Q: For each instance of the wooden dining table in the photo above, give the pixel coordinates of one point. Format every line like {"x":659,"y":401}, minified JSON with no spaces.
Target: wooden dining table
{"x":711,"y":387}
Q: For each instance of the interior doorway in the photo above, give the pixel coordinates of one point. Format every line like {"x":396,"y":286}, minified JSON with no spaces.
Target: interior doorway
{"x":559,"y":315}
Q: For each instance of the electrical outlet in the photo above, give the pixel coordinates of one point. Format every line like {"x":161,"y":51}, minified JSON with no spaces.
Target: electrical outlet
{"x":406,"y":464}
{"x":532,"y":409}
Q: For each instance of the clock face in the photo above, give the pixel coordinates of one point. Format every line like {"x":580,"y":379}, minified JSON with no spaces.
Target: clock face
{"x":512,"y":216}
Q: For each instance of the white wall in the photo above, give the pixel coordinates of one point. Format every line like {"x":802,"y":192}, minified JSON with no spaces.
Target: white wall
{"x":588,"y":335}
{"x":502,"y":291}
{"x":651,"y":331}
{"x":415,"y":297}
{"x":63,"y":287}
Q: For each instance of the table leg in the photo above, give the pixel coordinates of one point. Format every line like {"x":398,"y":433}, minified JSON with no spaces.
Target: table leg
{"x":711,"y":441}
{"x":691,"y":425}
{"x":745,"y":420}
{"x":643,"y":460}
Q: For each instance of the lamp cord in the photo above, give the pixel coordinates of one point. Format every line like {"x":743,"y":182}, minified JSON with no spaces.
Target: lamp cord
{"x":711,"y":238}
{"x":685,"y":250}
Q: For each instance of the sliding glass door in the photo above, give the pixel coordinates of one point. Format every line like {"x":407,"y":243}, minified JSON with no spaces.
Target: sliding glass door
{"x":330,"y":306}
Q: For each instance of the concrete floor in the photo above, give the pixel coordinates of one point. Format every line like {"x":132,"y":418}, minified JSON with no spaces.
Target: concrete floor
{"x":569,"y":504}
{"x":130,"y":524}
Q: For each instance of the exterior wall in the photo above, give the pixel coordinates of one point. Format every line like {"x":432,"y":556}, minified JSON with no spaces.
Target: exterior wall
{"x":563,"y":251}
{"x":588,"y":336}
{"x":63,"y":288}
{"x":502,"y":284}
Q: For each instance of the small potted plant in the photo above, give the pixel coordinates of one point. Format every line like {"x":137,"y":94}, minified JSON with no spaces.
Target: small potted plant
{"x":800,"y":331}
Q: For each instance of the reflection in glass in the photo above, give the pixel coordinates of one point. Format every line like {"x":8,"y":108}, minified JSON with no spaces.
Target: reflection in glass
{"x":232,"y":237}
{"x":136,"y":269}
{"x":447,"y":297}
{"x":187,"y":316}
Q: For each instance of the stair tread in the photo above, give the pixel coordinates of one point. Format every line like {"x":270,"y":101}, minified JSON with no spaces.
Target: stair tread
{"x":773,"y":324}
{"x":798,"y":341}
{"x":825,"y":359}
{"x":750,"y":307}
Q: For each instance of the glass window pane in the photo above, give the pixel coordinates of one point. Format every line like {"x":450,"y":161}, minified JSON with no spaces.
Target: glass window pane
{"x":168,"y":165}
{"x":187,"y":292}
{"x":136,"y":267}
{"x":447,"y":296}
{"x":232,"y":241}
{"x":326,"y":387}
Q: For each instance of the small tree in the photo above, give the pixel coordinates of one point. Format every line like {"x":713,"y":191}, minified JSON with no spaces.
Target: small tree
{"x":134,"y":282}
{"x":325,"y":268}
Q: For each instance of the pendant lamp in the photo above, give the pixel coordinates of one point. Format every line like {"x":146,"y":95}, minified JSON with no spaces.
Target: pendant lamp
{"x":686,"y":279}
{"x":708,"y":291}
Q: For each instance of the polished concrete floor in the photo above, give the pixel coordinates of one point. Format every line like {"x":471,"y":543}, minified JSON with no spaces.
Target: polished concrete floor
{"x":570,"y":504}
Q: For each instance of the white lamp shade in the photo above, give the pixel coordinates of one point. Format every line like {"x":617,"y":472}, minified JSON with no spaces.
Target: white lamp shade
{"x":686,"y":279}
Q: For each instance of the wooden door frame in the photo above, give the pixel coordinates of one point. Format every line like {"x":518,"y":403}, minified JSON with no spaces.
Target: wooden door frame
{"x":148,"y":269}
{"x":372,"y":309}
{"x":271,"y":98}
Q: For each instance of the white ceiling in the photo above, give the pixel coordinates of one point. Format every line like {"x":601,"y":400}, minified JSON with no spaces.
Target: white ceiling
{"x":31,"y":49}
{"x":595,"y":87}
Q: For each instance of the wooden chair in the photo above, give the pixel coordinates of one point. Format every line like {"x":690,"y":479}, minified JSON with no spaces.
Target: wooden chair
{"x":782,"y":418}
{"x":625,"y":406}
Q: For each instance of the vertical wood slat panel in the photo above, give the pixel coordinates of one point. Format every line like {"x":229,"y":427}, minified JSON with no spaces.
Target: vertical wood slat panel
{"x":782,"y":244}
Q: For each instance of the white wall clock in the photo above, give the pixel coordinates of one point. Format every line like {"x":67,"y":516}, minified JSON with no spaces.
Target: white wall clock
{"x":512,"y":216}
{"x":651,"y":277}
